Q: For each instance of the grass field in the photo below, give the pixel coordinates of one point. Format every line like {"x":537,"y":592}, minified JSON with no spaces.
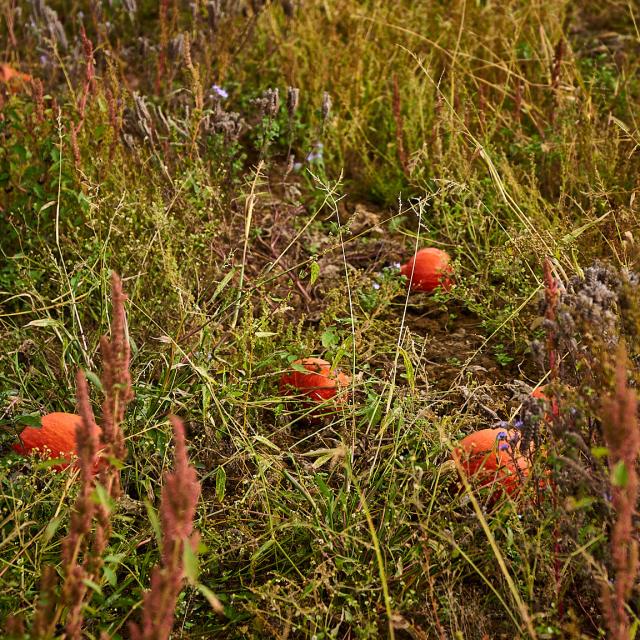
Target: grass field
{"x":256,"y":172}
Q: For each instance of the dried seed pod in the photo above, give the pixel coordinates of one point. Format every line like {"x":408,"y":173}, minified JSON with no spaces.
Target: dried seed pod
{"x":176,"y":49}
{"x":130,"y":6}
{"x":49,"y":17}
{"x":326,"y":106}
{"x":293,"y":95}
{"x":213,"y":14}
{"x":274,"y":103}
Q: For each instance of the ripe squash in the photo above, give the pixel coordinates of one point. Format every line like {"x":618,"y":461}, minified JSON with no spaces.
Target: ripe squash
{"x":12,"y":78}
{"x":540,"y":393}
{"x":489,"y":458}
{"x":431,"y":269}
{"x":318,"y":383}
{"x":55,"y":438}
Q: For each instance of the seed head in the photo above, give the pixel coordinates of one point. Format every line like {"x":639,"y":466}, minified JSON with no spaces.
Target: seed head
{"x":326,"y":106}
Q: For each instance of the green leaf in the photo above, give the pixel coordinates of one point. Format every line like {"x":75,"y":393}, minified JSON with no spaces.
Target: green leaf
{"x":574,"y":504}
{"x":152,"y":514}
{"x":92,"y":585}
{"x":576,"y":233}
{"x":221,"y":483}
{"x":266,"y":442}
{"x":322,"y":456}
{"x":191,"y":564}
{"x":315,"y":272}
{"x":211,"y":597}
{"x":620,"y":475}
{"x":409,"y":369}
{"x":30,"y":420}
{"x":134,"y":347}
{"x":223,"y":283}
{"x":329,"y":339}
{"x":93,"y":379}
{"x":110,"y":576}
{"x":101,"y":497}
{"x":265,"y":334}
{"x":326,"y":492}
{"x":50,"y":531}
{"x":44,"y":322}
{"x":261,"y":551}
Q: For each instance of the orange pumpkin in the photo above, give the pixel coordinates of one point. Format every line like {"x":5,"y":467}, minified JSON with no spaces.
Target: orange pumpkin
{"x":489,"y":458}
{"x":55,"y":438}
{"x":430,"y":268}
{"x":319,"y":382}
{"x":14,"y":79}
{"x":540,"y":394}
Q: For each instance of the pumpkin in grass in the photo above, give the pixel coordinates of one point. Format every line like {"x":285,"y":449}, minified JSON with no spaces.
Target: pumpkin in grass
{"x":429,"y":269}
{"x":489,"y":457}
{"x":314,"y":379}
{"x":540,"y":393}
{"x":55,"y":438}
{"x":12,"y":78}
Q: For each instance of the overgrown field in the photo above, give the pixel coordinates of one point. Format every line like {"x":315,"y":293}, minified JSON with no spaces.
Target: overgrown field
{"x":256,"y":172}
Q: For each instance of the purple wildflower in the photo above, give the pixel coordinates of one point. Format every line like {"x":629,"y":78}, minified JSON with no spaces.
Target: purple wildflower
{"x":316,"y":154}
{"x":219,"y":91}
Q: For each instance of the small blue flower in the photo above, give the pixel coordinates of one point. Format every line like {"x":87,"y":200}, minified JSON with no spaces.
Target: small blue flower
{"x":220,"y":92}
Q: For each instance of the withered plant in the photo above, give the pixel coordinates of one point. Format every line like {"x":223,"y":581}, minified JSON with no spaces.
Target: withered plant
{"x":180,"y":493}
{"x":622,"y":435}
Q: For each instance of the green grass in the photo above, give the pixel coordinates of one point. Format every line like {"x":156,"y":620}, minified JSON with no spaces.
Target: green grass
{"x":235,"y":265}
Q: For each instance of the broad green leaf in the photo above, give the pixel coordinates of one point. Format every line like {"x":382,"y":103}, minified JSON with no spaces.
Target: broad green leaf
{"x":329,"y":339}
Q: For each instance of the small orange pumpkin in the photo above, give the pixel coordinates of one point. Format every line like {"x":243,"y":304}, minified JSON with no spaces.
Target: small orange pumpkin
{"x":428,"y":270}
{"x":14,"y":79}
{"x":55,"y":438}
{"x":488,"y":457}
{"x":319,"y":382}
{"x":540,"y":394}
